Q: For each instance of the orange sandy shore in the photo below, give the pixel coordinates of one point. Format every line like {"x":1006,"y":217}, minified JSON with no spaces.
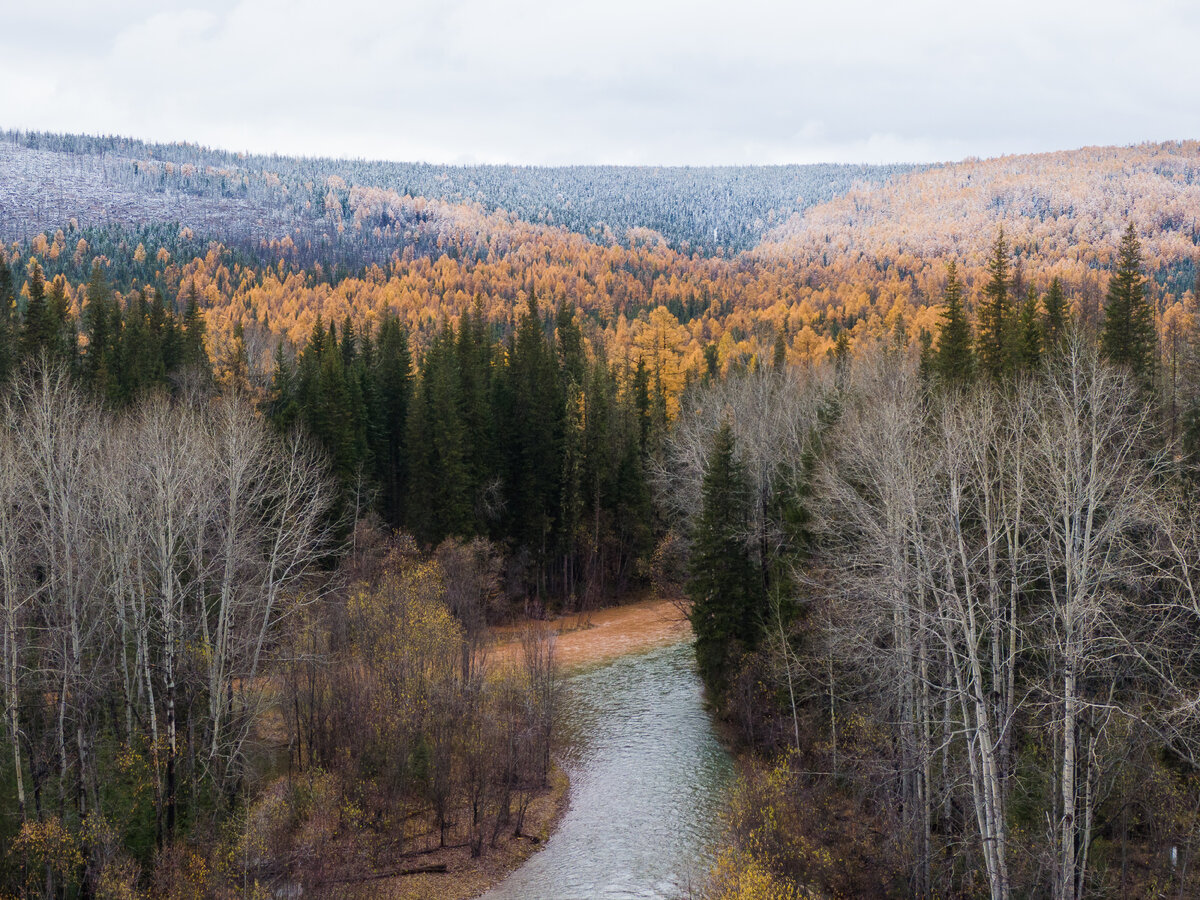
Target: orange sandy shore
{"x":588,"y":638}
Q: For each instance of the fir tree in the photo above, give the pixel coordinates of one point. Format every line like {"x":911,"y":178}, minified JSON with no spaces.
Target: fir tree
{"x":476,"y":359}
{"x":192,"y":351}
{"x":393,"y":389}
{"x":37,"y":332}
{"x":712,"y":364}
{"x":841,"y":352}
{"x":954,"y":362}
{"x":641,"y":404}
{"x":532,"y":411}
{"x":1055,"y":322}
{"x":236,"y":361}
{"x":1128,"y":336}
{"x":348,"y":347}
{"x":441,"y":503}
{"x":925,"y":364}
{"x":281,"y":403}
{"x":995,"y":315}
{"x":8,"y":338}
{"x":1030,"y":333}
{"x":569,"y":338}
{"x":725,"y":585}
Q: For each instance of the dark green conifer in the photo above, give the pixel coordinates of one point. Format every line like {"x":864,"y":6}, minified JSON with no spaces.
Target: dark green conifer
{"x":533,"y":420}
{"x":281,"y":404}
{"x":393,"y":389}
{"x":841,"y":351}
{"x":8,"y":311}
{"x":995,"y":341}
{"x":641,"y":404}
{"x":1128,"y":336}
{"x":725,"y":585}
{"x":193,"y":354}
{"x":37,"y":332}
{"x":954,"y":362}
{"x":1030,"y":333}
{"x":440,"y":497}
{"x":1056,"y":321}
{"x":712,"y":363}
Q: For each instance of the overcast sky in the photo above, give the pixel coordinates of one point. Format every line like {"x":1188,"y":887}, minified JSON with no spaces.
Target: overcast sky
{"x":613,"y":81}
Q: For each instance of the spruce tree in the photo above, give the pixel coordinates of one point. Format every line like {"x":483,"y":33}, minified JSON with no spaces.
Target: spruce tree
{"x":779,"y":353}
{"x":1055,"y":323}
{"x":192,"y":352}
{"x":641,"y":404}
{"x":1029,"y":333}
{"x":8,"y":337}
{"x":569,"y":338}
{"x":954,"y":362}
{"x":348,"y":347}
{"x":476,"y":352}
{"x":712,"y":364}
{"x":927,"y":356}
{"x":440,"y":498}
{"x":532,"y":411}
{"x":995,"y":315}
{"x":1128,"y":336}
{"x":281,"y":405}
{"x":393,"y":390}
{"x":725,"y":586}
{"x":62,"y":337}
{"x":841,"y":352}
{"x":37,"y":332}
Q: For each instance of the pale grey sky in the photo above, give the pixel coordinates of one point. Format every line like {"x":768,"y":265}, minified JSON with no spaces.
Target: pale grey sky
{"x":617,"y":81}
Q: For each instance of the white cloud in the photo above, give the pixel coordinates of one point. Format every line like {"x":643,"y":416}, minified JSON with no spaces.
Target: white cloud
{"x":671,"y":81}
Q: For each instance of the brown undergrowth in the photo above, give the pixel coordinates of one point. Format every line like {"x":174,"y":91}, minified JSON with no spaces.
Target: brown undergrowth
{"x":449,"y":873}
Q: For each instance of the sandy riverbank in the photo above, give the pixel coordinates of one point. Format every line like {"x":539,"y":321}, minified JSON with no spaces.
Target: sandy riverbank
{"x":595,"y":637}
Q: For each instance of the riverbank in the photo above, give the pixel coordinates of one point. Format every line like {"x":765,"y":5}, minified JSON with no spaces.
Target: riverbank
{"x":451,"y":874}
{"x":583,"y":640}
{"x":599,"y":636}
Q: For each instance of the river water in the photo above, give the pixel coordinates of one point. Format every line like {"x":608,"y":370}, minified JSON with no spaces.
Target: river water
{"x":648,"y":781}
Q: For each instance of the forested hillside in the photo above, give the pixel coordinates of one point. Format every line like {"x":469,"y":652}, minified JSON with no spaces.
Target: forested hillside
{"x":868,"y":263}
{"x":1062,"y":214}
{"x":99,"y":180}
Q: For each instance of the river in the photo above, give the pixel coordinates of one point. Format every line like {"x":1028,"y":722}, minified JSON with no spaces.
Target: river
{"x":648,"y":781}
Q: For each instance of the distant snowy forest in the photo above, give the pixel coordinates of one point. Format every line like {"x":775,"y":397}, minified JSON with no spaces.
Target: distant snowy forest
{"x":52,"y":178}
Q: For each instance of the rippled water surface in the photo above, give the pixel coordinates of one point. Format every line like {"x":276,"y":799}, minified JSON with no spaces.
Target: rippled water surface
{"x":648,"y":780}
